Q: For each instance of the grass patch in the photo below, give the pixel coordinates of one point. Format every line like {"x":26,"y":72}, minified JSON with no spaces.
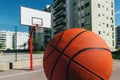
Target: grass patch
{"x":38,"y":52}
{"x":116,"y":54}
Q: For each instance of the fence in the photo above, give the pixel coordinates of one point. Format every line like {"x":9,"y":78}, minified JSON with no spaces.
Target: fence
{"x":14,"y":44}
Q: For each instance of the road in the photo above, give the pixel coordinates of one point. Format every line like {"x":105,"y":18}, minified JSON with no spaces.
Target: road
{"x":38,"y":74}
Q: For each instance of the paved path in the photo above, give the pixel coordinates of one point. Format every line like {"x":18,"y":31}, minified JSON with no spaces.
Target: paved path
{"x":38,"y":74}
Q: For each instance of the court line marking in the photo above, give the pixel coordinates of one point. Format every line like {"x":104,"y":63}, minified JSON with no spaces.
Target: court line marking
{"x":13,"y":75}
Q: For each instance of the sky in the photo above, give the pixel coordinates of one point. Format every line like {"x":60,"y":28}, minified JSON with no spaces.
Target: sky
{"x":117,"y":12}
{"x":10,"y":11}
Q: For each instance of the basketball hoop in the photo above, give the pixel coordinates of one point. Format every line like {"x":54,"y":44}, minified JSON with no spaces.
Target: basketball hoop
{"x":38,"y":27}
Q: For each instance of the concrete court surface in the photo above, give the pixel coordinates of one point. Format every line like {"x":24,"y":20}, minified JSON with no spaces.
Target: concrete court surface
{"x":23,"y":74}
{"x":38,"y":74}
{"x":116,"y":70}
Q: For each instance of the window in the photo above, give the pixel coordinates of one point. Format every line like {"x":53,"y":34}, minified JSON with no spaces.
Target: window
{"x":106,"y":1}
{"x":99,"y":32}
{"x":112,"y":20}
{"x":112,"y":27}
{"x":82,"y":16}
{"x":112,"y":35}
{"x":107,"y":25}
{"x":82,"y":24}
{"x":79,"y":9}
{"x":113,"y":42}
{"x":82,"y":7}
{"x":99,"y":24}
{"x":87,"y":14}
{"x":74,"y":3}
{"x":112,"y":4}
{"x":107,"y":17}
{"x":106,"y":9}
{"x":87,"y":4}
{"x":99,"y":15}
{"x":98,"y":5}
{"x":112,"y":12}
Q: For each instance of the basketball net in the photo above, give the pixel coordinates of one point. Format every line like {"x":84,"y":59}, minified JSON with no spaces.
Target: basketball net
{"x":38,"y":27}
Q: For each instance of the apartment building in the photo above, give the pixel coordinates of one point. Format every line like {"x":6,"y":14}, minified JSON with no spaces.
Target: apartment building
{"x":2,"y":40}
{"x":12,"y":40}
{"x":95,"y":15}
{"x":118,"y":36}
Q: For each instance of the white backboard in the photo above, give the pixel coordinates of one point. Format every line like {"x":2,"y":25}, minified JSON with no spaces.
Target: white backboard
{"x":30,"y":17}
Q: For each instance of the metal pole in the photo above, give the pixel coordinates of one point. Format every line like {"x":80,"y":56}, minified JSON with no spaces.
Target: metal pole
{"x":31,"y":52}
{"x":31,"y":48}
{"x":16,"y":44}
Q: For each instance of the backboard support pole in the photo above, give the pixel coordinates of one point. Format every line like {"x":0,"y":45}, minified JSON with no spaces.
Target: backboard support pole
{"x":31,"y":48}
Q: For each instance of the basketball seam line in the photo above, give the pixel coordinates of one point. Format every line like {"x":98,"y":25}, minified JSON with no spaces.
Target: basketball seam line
{"x":80,"y":51}
{"x":93,"y":48}
{"x":55,"y":46}
{"x":53,"y":68}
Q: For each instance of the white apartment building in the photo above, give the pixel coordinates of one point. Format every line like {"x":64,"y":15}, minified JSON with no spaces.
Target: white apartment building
{"x":2,"y":40}
{"x":95,"y":15}
{"x":9,"y":41}
{"x":22,"y":40}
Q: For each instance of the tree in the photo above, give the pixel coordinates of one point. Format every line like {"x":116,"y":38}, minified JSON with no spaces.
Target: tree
{"x":36,"y":43}
{"x":0,"y":47}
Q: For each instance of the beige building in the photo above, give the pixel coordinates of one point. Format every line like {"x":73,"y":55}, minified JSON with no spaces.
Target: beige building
{"x":95,"y":15}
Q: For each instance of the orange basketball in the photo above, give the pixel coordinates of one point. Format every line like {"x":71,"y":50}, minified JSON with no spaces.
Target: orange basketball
{"x":77,"y":54}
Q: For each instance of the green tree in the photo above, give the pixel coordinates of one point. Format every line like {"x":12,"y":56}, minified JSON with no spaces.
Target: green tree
{"x":0,"y":47}
{"x":36,"y":43}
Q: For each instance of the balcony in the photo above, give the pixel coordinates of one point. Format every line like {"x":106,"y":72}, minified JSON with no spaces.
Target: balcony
{"x":58,"y":12}
{"x":59,"y":24}
{"x":59,"y":29}
{"x":63,"y":16}
{"x":60,"y":8}
{"x":59,"y":3}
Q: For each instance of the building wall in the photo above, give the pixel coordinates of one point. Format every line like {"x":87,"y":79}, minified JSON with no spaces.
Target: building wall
{"x":102,"y":21}
{"x":118,"y":36}
{"x":8,"y":40}
{"x":3,"y":40}
{"x":59,"y":15}
{"x":22,"y":40}
{"x":95,"y":15}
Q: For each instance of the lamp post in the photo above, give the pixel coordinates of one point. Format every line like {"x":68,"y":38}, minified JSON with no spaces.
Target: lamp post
{"x":16,"y":44}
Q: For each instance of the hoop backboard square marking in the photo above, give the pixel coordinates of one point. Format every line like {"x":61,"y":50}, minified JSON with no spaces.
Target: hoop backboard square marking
{"x":37,"y":21}
{"x":27,"y":14}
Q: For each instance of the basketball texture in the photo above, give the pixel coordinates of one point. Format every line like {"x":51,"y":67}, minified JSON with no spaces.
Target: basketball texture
{"x":77,"y":54}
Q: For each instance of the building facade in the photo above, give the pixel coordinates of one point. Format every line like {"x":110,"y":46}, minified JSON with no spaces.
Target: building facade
{"x":118,"y":36}
{"x":9,"y":40}
{"x":2,"y":40}
{"x":95,"y":15}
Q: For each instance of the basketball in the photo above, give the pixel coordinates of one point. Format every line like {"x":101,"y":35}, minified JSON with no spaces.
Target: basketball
{"x":77,"y":54}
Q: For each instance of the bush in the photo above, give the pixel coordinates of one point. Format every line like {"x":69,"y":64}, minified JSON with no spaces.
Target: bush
{"x":116,"y":54}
